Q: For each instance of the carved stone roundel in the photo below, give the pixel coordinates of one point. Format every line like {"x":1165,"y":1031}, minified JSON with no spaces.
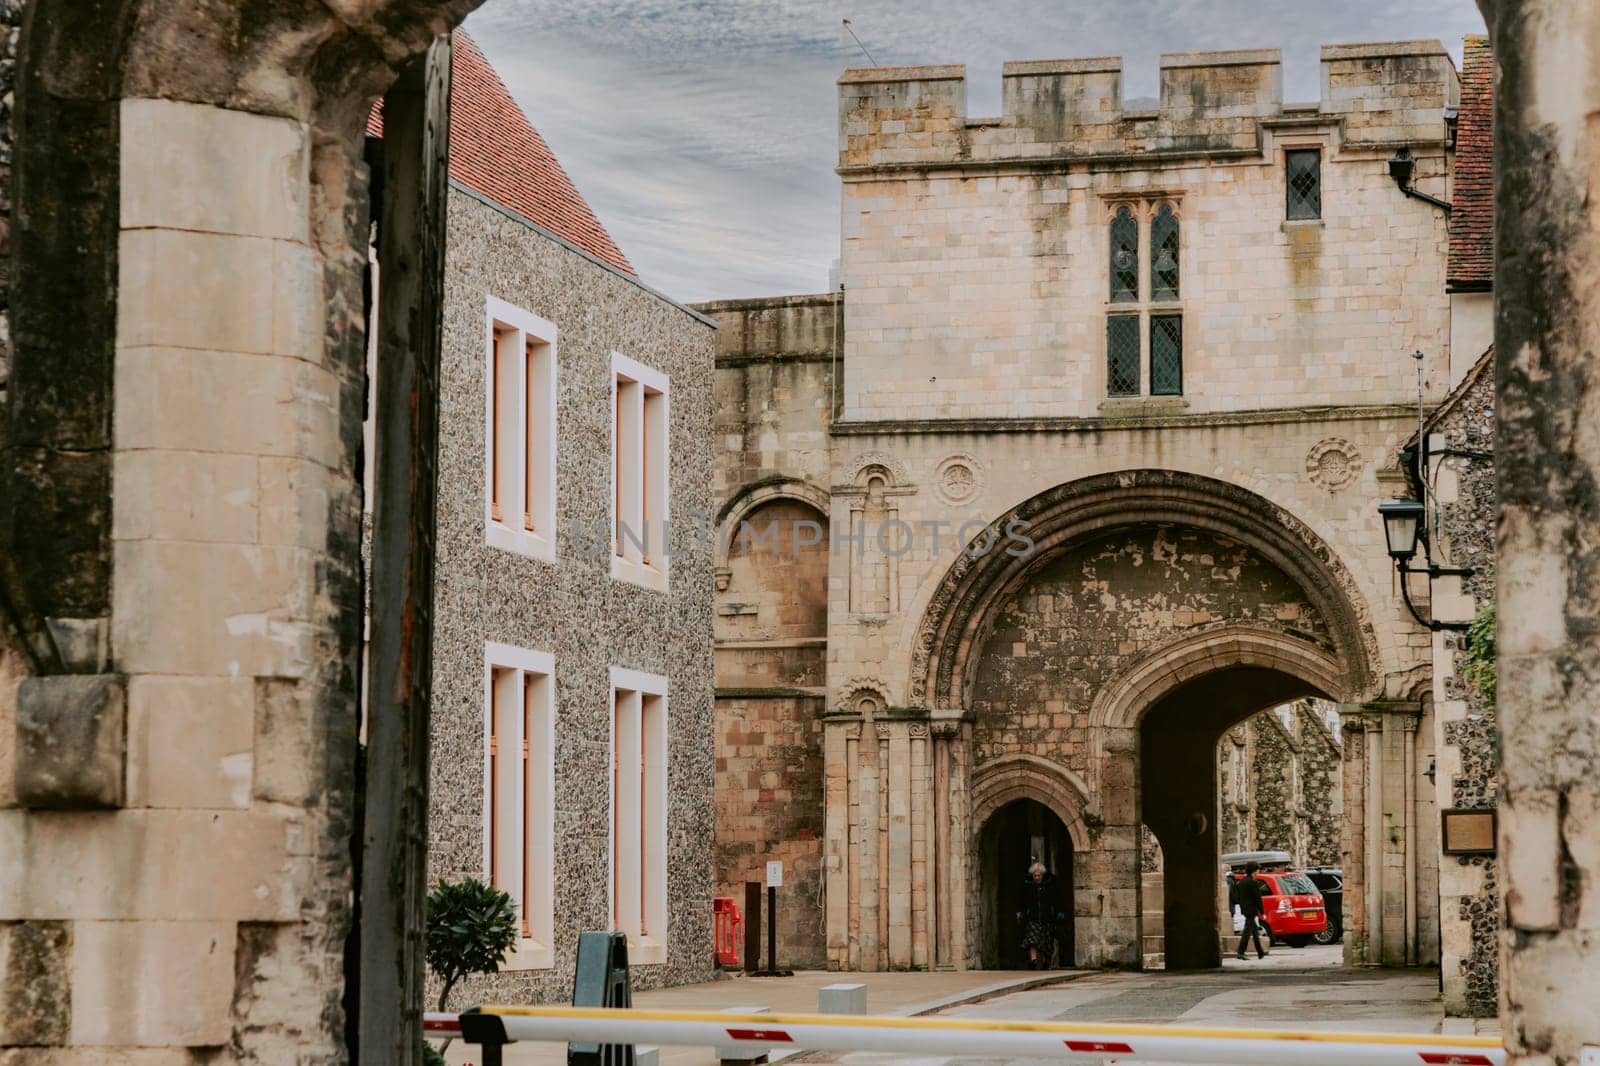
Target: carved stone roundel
{"x":1333,"y":463}
{"x":958,"y":479}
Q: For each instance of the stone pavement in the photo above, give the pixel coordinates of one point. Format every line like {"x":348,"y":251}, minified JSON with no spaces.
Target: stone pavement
{"x":901,"y":994}
{"x":1290,"y":989}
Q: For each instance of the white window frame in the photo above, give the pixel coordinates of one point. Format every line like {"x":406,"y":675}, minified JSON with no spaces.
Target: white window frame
{"x":526,"y":446}
{"x":526,"y":828}
{"x":641,"y":440}
{"x":638,"y":823}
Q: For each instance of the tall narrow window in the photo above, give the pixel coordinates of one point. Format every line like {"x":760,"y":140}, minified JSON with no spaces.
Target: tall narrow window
{"x":1122,"y":355}
{"x":519,"y":794}
{"x":1145,"y":328}
{"x":520,"y":432}
{"x":1166,"y":355}
{"x":640,"y":440}
{"x":1124,"y":257}
{"x":1303,"y":177}
{"x":1164,"y":255}
{"x":639,"y":812}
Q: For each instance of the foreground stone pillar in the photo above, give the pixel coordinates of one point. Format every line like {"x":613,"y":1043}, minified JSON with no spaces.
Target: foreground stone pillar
{"x":1547,"y":453}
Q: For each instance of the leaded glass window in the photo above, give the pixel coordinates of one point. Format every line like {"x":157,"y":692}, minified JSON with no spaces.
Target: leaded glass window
{"x":1122,"y":355}
{"x":1303,"y":174}
{"x":1124,"y":257}
{"x":1166,"y":355}
{"x":1164,"y":255}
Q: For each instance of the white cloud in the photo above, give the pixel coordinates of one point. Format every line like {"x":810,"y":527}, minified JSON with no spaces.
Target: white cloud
{"x":703,"y":131}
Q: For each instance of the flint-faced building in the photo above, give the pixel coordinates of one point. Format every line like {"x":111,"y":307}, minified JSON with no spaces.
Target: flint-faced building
{"x":1171,"y":347}
{"x":572,"y":678}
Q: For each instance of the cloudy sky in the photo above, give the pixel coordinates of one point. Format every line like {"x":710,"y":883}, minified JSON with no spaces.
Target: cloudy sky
{"x":703,"y":131}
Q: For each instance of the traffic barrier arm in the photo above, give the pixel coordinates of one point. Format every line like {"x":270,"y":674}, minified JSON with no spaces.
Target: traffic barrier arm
{"x":947,"y":1037}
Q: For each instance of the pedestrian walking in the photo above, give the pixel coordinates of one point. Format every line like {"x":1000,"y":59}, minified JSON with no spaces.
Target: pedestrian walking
{"x":1246,"y":895}
{"x":1040,"y":915}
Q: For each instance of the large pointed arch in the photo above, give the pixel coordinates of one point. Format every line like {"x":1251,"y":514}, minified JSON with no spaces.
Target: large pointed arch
{"x":961,"y":610}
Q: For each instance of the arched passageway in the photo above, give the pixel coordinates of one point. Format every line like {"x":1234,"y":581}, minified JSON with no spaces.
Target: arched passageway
{"x":1021,"y":833}
{"x":1178,"y":795}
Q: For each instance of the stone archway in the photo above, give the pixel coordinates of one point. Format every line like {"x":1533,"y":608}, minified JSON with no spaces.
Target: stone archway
{"x":1013,"y":784}
{"x":1083,"y":533}
{"x":960,"y":610}
{"x":1155,"y":729}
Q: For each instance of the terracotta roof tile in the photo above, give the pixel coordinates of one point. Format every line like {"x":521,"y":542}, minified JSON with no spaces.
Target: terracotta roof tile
{"x":1472,"y":215}
{"x":495,"y":151}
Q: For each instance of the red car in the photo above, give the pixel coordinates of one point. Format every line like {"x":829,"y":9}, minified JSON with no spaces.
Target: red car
{"x":1292,"y":908}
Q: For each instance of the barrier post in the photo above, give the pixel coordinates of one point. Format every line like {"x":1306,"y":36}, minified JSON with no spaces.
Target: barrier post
{"x":752,"y":926}
{"x":487,"y":1031}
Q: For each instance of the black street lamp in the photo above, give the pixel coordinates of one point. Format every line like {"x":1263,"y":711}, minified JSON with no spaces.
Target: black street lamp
{"x":1402,"y":523}
{"x":1403,"y":527}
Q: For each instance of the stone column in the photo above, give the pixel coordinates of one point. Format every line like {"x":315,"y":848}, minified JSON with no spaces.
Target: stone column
{"x":837,"y":729}
{"x":1547,"y":455}
{"x":1382,"y":905}
{"x":920,"y":797}
{"x":1107,"y":918}
{"x":952,"y":838}
{"x":899,"y":867}
{"x":852,"y":759}
{"x":869,"y":800}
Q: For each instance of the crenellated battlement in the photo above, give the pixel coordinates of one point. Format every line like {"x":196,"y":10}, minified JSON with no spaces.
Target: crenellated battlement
{"x":1211,"y":103}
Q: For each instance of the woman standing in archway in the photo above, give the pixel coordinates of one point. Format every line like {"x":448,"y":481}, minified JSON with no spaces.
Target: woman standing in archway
{"x":1040,"y":915}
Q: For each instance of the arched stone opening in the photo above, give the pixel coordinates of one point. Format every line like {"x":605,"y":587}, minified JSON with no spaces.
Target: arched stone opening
{"x":1178,"y":796}
{"x":1137,"y":584}
{"x":1023,"y":803}
{"x":1020,"y":833}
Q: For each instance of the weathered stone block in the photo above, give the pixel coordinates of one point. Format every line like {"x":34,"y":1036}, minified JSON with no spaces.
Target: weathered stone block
{"x":35,"y":1001}
{"x":71,"y":733}
{"x":189,"y":741}
{"x":191,"y":167}
{"x":152,"y":983}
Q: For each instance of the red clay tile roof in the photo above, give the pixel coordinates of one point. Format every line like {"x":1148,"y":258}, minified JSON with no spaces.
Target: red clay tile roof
{"x":495,"y":151}
{"x":1472,"y":215}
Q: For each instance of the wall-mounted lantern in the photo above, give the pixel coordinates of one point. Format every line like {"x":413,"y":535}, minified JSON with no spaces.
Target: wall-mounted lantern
{"x":1404,"y":528}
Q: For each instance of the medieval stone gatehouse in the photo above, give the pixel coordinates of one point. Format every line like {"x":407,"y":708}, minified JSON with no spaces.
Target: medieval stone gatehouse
{"x":1171,"y":350}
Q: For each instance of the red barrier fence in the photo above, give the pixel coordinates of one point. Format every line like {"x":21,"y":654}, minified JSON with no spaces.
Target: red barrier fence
{"x":729,"y":929}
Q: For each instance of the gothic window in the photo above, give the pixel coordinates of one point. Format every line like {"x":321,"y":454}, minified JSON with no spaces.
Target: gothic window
{"x":1166,"y":355}
{"x":1164,"y":255}
{"x":1124,"y":257}
{"x":1122,"y":355}
{"x":1143,"y":327}
{"x":1303,"y":176}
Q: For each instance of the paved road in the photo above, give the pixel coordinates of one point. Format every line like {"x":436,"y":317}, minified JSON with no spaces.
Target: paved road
{"x":1298,"y":989}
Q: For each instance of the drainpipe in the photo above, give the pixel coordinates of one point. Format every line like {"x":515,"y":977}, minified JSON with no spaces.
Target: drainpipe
{"x":1400,"y":168}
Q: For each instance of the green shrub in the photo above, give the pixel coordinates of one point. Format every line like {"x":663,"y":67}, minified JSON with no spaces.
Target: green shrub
{"x":1479,"y":667}
{"x":471,"y":929}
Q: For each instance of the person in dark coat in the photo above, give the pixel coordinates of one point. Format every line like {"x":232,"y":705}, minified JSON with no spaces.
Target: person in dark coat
{"x":1040,"y":915}
{"x":1246,"y":895}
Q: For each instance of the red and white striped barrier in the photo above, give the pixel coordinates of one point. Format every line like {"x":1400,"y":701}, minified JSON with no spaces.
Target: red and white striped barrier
{"x":960,"y":1036}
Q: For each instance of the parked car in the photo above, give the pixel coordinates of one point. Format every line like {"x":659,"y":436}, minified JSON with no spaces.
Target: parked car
{"x":1330,"y":882}
{"x":1293,"y":911}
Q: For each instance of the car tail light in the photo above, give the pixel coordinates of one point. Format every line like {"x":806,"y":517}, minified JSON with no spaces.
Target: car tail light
{"x":1285,"y":905}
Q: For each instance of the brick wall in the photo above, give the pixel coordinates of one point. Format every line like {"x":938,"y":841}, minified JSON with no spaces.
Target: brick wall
{"x":769,"y":807}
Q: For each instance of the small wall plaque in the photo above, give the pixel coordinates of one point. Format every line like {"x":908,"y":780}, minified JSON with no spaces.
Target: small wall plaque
{"x":1468,"y":831}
